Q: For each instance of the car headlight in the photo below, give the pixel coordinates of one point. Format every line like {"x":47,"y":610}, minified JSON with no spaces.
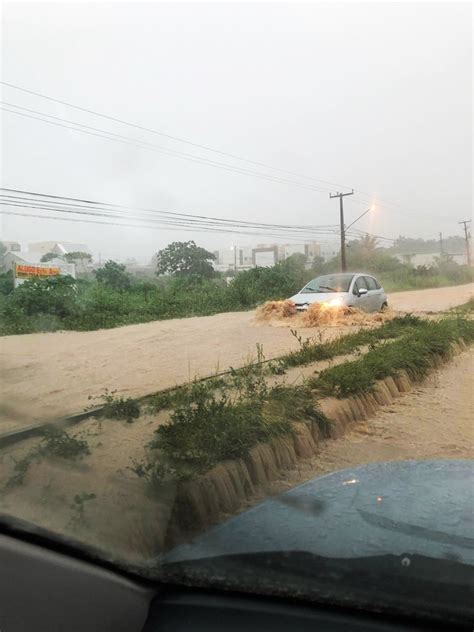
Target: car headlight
{"x":335,"y":302}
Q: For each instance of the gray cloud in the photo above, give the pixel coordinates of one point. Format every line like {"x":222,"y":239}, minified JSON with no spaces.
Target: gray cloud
{"x":375,"y":96}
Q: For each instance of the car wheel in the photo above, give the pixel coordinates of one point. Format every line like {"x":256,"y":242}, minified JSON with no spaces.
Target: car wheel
{"x":384,"y":306}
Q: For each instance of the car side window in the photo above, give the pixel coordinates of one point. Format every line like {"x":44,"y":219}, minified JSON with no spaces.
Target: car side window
{"x":359,"y":283}
{"x":371,"y":285}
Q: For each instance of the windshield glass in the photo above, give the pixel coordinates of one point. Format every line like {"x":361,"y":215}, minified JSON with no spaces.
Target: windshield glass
{"x":172,"y":174}
{"x":329,"y":283}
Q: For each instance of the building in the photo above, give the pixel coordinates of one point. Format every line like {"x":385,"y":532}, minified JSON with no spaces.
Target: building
{"x":265,"y":256}
{"x":329,"y":251}
{"x":238,"y":258}
{"x":310,"y":250}
{"x":29,"y":265}
{"x":56,"y":247}
{"x":262,"y":255}
{"x":430,"y":259}
{"x":11,"y":246}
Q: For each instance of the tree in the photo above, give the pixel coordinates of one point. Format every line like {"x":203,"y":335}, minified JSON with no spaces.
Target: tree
{"x":6,"y":282}
{"x":114,"y":275}
{"x":146,"y":287}
{"x":369,"y":243}
{"x":184,"y":258}
{"x":77,"y":255}
{"x":80,"y":259}
{"x":48,"y":256}
{"x":54,"y":295}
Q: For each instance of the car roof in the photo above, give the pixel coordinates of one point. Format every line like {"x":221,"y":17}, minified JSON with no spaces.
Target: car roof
{"x":335,"y":274}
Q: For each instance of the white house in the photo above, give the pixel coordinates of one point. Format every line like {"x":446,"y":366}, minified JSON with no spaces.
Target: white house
{"x":19,"y":261}
{"x":429,"y":259}
{"x":57,"y":247}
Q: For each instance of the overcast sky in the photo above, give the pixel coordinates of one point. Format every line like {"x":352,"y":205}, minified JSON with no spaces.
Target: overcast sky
{"x":373,"y":96}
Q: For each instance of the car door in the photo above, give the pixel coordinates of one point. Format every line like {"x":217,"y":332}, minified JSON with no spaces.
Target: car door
{"x":375,"y":293}
{"x":372,"y":293}
{"x":361,"y":302}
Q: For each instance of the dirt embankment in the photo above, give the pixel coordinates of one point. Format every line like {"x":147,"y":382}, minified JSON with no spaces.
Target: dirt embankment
{"x":433,"y":421}
{"x":43,"y":376}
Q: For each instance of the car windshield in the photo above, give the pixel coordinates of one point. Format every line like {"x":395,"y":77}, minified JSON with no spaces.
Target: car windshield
{"x":172,"y":175}
{"x":329,"y":283}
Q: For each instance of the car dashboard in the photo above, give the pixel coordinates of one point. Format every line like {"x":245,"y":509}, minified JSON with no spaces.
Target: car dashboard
{"x":48,"y":590}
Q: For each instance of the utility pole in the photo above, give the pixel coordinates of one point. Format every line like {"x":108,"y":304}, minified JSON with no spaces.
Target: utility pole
{"x":235,"y":258}
{"x":343,"y":230}
{"x":441,"y":244}
{"x":466,"y":235}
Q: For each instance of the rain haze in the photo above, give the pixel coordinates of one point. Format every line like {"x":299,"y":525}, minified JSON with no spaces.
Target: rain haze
{"x":236,"y":315}
{"x":375,"y":97}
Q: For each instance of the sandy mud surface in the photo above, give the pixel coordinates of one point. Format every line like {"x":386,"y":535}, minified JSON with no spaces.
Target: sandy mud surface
{"x":45,"y":376}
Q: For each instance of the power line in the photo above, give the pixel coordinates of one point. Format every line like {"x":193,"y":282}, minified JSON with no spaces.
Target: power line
{"x":147,"y":222}
{"x":44,"y":201}
{"x":167,"y":152}
{"x":360,"y":232}
{"x":148,"y":226}
{"x":82,"y":203}
{"x":175,"y":138}
{"x":40,"y":202}
{"x":466,"y":236}
{"x":201,"y":160}
{"x":141,"y":144}
{"x":369,"y":199}
{"x":71,"y":208}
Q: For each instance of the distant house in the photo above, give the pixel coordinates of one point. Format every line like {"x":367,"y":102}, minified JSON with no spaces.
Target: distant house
{"x":310,"y":250}
{"x":33,"y":260}
{"x":429,"y":259}
{"x":57,"y":247}
{"x":11,"y":246}
{"x":265,"y":256}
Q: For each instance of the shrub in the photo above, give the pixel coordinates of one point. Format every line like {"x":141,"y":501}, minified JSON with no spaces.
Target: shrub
{"x":412,"y":353}
{"x":55,"y":296}
{"x":118,"y":407}
{"x":58,"y":443}
{"x":55,"y":443}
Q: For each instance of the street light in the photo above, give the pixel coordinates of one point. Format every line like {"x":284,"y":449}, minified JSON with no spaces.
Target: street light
{"x":344,"y":230}
{"x":371,"y":208}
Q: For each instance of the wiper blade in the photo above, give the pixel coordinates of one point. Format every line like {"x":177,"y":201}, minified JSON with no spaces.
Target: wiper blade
{"x":326,"y":287}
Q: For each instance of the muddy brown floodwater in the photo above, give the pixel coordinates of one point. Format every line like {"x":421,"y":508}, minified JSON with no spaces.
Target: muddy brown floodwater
{"x":44,"y":376}
{"x":433,"y":421}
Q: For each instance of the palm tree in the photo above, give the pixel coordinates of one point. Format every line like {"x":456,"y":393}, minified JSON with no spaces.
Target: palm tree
{"x":368,"y":243}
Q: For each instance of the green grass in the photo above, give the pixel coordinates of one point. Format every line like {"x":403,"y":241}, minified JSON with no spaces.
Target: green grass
{"x":113,"y":407}
{"x":212,"y":421}
{"x":311,"y":351}
{"x":465,"y":308}
{"x":85,"y":304}
{"x":211,"y":425}
{"x":413,"y":353}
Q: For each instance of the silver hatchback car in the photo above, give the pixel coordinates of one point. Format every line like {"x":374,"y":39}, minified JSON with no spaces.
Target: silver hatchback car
{"x":350,"y":289}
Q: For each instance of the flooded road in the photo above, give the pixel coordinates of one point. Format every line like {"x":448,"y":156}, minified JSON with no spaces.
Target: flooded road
{"x":434,"y":421}
{"x":46,"y":375}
